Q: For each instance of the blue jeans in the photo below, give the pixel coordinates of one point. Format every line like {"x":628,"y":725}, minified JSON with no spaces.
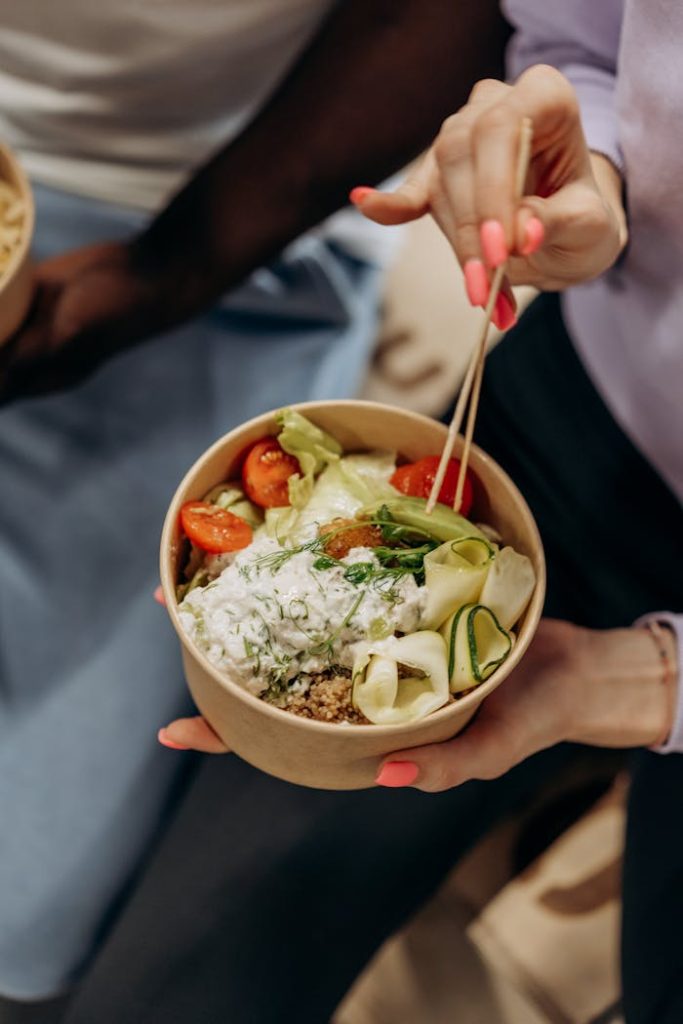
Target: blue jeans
{"x":89,"y":666}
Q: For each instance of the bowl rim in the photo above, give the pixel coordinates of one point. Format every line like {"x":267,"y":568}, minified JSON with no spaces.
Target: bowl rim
{"x":21,"y":183}
{"x":453,"y":708}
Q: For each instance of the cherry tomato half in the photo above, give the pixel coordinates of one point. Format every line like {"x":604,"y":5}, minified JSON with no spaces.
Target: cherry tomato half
{"x":265,"y":473}
{"x":214,"y":529}
{"x":416,"y":479}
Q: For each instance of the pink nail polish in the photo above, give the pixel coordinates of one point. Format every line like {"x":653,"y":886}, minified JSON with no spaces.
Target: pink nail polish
{"x":504,"y":315}
{"x":493,"y":243}
{"x":476,"y":282}
{"x":166,"y":742}
{"x":159,"y":597}
{"x":396,"y":774}
{"x":534,"y":233}
{"x":361,"y":192}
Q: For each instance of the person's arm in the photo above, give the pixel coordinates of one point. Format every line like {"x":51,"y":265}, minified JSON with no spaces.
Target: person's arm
{"x":574,"y":195}
{"x":368,"y":94}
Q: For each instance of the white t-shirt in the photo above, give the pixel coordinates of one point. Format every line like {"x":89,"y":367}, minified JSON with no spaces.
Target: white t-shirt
{"x":121,"y":101}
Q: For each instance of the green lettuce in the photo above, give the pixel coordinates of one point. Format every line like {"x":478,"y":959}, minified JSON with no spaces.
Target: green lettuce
{"x":343,"y":488}
{"x":313,"y":447}
{"x":232,"y":497}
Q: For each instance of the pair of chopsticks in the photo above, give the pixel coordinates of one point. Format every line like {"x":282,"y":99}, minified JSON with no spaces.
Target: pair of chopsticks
{"x":471,"y":387}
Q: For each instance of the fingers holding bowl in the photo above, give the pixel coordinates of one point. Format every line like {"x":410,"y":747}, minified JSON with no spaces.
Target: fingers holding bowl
{"x":191,"y":734}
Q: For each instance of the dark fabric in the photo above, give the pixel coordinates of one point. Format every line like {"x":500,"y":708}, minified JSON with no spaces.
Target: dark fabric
{"x":265,"y":899}
{"x":597,"y":501}
{"x":594,"y":496}
{"x":652,"y":939}
{"x":46,"y":1011}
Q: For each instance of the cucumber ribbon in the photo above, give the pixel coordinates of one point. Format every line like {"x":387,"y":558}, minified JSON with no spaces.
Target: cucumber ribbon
{"x":509,"y":586}
{"x":477,"y":645}
{"x":384,"y":697}
{"x":455,"y":573}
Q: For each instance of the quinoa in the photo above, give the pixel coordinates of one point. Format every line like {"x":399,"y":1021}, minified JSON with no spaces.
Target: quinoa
{"x":328,"y":699}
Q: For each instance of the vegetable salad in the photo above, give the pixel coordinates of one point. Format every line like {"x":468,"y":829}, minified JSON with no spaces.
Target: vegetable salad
{"x":319,"y":583}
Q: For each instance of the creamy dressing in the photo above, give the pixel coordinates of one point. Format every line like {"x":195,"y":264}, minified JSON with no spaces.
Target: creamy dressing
{"x":272,"y":616}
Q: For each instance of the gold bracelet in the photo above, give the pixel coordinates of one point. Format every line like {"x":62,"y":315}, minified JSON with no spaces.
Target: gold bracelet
{"x":656,"y":631}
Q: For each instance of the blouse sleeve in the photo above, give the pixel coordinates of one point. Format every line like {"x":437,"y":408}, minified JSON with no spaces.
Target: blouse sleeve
{"x":580,"y":39}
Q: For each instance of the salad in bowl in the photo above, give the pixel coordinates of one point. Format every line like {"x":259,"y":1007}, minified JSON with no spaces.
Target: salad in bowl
{"x":324,"y":619}
{"x":317,"y":581}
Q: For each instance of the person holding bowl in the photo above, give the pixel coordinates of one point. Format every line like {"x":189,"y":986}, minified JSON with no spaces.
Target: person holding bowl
{"x":583,"y":405}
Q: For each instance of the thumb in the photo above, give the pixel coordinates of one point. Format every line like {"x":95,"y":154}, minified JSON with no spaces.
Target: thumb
{"x":574,"y":217}
{"x":191,"y":734}
{"x":408,"y":202}
{"x":482,"y":751}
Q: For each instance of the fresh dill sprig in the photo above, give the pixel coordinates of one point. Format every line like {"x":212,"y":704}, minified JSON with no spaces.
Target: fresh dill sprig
{"x":275,"y":560}
{"x":325,"y":647}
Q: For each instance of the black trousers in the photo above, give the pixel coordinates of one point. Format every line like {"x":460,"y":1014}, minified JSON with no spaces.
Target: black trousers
{"x":264,"y":900}
{"x":595,"y":498}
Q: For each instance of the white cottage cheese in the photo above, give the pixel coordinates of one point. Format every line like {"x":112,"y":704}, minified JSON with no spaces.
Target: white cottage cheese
{"x":268,"y":620}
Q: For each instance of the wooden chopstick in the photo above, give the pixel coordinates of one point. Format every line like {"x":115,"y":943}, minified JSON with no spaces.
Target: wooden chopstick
{"x":471,"y":386}
{"x":524,"y":154}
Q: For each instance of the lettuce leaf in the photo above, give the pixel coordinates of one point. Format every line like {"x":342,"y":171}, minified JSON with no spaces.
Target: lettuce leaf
{"x":232,"y":497}
{"x":313,"y":447}
{"x":343,"y":488}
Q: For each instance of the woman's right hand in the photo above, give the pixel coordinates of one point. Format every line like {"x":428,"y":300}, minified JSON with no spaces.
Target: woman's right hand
{"x":570,"y":225}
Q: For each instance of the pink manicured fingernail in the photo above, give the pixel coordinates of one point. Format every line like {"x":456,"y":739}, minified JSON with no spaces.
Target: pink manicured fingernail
{"x":493,"y":242}
{"x":476,"y":282}
{"x":504,"y":315}
{"x":166,"y":742}
{"x":159,"y":597}
{"x":395,"y":774}
{"x":358,"y":194}
{"x":534,"y":233}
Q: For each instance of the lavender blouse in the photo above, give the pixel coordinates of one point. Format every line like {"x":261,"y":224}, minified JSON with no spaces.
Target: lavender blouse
{"x":624,"y":59}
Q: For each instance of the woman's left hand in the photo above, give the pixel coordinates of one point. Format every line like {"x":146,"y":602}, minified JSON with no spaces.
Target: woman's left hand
{"x":191,"y":734}
{"x":602,"y":687}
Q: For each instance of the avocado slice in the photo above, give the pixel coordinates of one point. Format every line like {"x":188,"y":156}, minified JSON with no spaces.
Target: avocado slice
{"x":443,"y":523}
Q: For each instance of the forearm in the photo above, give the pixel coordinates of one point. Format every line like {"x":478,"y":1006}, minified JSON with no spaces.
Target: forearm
{"x":625,"y":690}
{"x":368,"y":94}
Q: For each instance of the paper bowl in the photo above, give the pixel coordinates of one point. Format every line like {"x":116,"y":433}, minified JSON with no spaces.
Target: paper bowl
{"x":16,"y":281}
{"x":311,"y":753}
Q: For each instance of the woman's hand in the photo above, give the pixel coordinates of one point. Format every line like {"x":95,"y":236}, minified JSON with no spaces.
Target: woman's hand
{"x":570,"y":225}
{"x":191,"y":734}
{"x":602,"y":687}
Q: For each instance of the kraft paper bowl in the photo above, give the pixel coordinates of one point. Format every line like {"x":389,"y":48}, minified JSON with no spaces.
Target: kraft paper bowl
{"x":300,"y":750}
{"x":16,"y":280}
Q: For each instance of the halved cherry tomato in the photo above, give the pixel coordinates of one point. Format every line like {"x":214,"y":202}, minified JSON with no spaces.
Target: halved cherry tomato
{"x":265,"y":473}
{"x":214,"y":529}
{"x":416,"y":479}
